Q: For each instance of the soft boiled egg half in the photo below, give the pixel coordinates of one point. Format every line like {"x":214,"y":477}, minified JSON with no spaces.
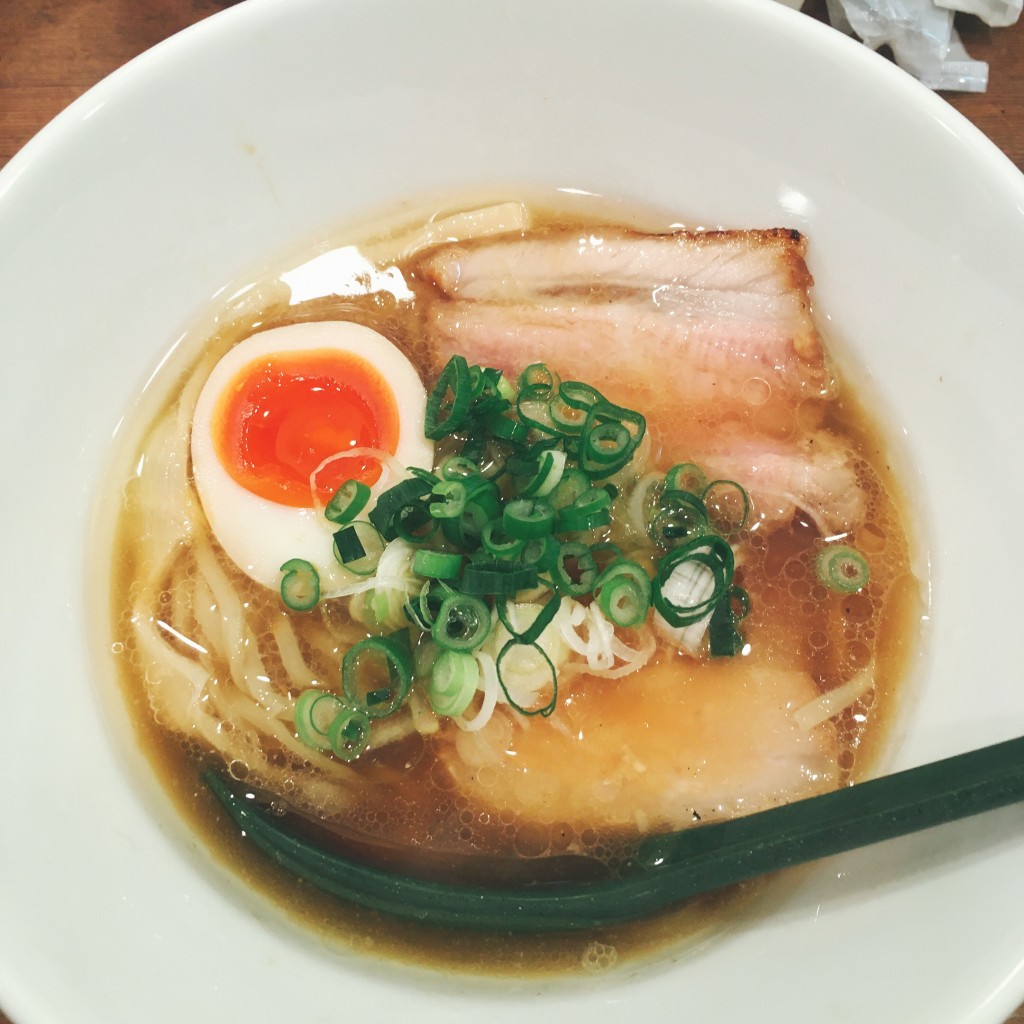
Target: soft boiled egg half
{"x":273,"y":431}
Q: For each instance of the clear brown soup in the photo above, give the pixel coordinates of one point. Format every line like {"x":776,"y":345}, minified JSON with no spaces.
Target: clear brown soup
{"x":405,"y":811}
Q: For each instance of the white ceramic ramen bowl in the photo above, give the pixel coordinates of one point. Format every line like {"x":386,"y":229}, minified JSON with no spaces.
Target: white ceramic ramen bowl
{"x":255,"y":132}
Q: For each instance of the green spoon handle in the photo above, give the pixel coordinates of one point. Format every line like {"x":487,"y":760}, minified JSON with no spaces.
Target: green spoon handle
{"x":668,"y":868}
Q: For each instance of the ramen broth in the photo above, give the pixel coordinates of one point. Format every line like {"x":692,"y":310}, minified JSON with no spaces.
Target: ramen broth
{"x":409,"y":803}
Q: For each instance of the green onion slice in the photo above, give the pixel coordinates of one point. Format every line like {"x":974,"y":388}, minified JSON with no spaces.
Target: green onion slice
{"x":610,"y":436}
{"x":539,"y":381}
{"x":533,"y":632}
{"x":449,"y":402}
{"x":546,"y":709}
{"x":314,"y":712}
{"x":300,"y":585}
{"x":422,"y":611}
{"x":508,"y":429}
{"x":438,"y":565}
{"x":349,"y":500}
{"x":376,"y":674}
{"x":462,"y":623}
{"x":497,"y":578}
{"x":448,"y":499}
{"x":528,"y":518}
{"x":589,"y":510}
{"x":842,"y":568}
{"x":498,"y":544}
{"x":623,"y":593}
{"x":680,"y":516}
{"x":535,"y":412}
{"x":724,"y":639}
{"x":456,"y":467}
{"x":727,"y":504}
{"x":414,"y":524}
{"x":349,"y":734}
{"x":710,"y":553}
{"x":550,"y":467}
{"x":391,"y":502}
{"x":423,"y":474}
{"x":541,"y":553}
{"x":358,"y":547}
{"x":454,"y":679}
{"x":686,"y":476}
{"x":570,"y":407}
{"x":573,"y":484}
{"x":574,"y":571}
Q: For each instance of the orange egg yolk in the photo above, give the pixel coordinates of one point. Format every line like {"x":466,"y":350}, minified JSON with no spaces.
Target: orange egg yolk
{"x":285,"y":414}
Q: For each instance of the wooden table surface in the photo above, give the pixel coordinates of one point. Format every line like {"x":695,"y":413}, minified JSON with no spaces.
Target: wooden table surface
{"x":51,"y":51}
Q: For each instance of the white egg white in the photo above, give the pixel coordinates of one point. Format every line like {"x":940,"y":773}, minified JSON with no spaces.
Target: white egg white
{"x":261,"y":535}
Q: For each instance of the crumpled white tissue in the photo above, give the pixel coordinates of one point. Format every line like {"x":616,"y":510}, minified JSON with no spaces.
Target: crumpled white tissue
{"x":997,"y":13}
{"x":921,"y":35}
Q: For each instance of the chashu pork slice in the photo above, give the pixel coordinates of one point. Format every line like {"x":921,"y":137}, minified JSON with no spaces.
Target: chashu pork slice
{"x":676,"y":743}
{"x":674,"y":321}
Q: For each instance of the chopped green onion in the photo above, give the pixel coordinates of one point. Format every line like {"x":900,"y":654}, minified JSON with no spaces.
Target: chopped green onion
{"x":711,"y":553}
{"x":575,"y":570}
{"x":462,"y":624}
{"x":414,"y":524}
{"x":728,"y":504}
{"x":605,"y":553}
{"x":686,"y":476}
{"x":539,"y":381}
{"x":550,"y":467}
{"x":448,"y":404}
{"x":611,"y":435}
{"x":423,"y":474}
{"x":467,"y":529}
{"x":623,"y":593}
{"x":535,"y":412}
{"x":454,"y":679}
{"x":543,"y":619}
{"x":391,"y":502}
{"x":528,"y":518}
{"x":300,"y":585}
{"x":449,"y":499}
{"x":680,"y":516}
{"x":509,"y":430}
{"x":724,"y":639}
{"x":494,"y":578}
{"x":377,"y":657}
{"x":439,"y":565}
{"x":842,"y":568}
{"x":358,"y":547}
{"x":458,"y":468}
{"x":498,"y":544}
{"x":423,"y":610}
{"x":570,"y":407}
{"x":573,"y":485}
{"x":349,"y":734}
{"x":589,"y":510}
{"x":314,"y":712}
{"x":545,"y":710}
{"x":349,"y":500}
{"x":541,"y":553}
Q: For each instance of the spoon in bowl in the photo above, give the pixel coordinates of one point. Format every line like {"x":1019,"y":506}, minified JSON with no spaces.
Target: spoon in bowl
{"x":667,"y":868}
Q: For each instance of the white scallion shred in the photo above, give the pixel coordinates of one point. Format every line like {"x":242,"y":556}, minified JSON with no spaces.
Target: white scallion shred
{"x":587,"y":632}
{"x":490,"y":688}
{"x":395,"y":471}
{"x":688,"y":585}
